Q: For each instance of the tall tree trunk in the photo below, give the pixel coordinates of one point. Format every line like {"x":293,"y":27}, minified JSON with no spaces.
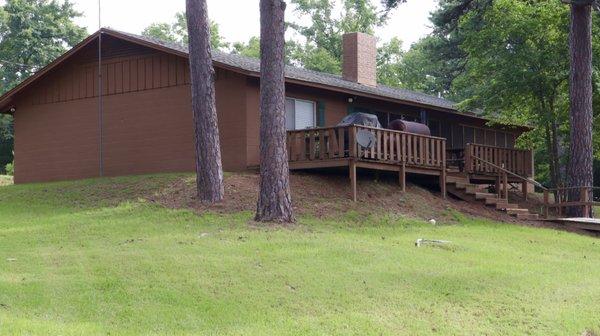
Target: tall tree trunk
{"x":556,"y":153}
{"x":580,"y":169}
{"x":551,"y":159}
{"x":274,"y":199}
{"x":209,"y":172}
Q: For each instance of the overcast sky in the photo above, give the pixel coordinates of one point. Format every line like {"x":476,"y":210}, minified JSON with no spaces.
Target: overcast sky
{"x":238,"y":19}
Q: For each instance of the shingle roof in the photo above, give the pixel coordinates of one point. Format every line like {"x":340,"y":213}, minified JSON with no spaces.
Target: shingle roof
{"x":252,"y":66}
{"x":300,"y":74}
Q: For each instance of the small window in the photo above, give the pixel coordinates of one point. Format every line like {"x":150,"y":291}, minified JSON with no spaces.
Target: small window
{"x":299,"y":114}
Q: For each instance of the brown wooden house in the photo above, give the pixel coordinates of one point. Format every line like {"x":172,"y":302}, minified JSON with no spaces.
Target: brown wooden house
{"x":143,"y":121}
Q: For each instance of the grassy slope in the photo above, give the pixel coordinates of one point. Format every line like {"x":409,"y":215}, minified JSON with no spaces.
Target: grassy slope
{"x":93,"y":259}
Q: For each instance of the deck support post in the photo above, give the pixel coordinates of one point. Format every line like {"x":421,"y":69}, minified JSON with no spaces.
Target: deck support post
{"x":558,"y":200}
{"x":352,"y":166}
{"x":524,"y":190}
{"x":546,"y":203}
{"x":402,"y":176}
{"x":505,"y":178}
{"x":498,"y":186}
{"x":443,"y":183}
{"x":584,"y":199}
{"x":444,"y":172}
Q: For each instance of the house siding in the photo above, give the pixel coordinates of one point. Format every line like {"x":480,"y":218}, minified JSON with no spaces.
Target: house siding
{"x":148,"y":122}
{"x":335,"y":110}
{"x":147,"y":119}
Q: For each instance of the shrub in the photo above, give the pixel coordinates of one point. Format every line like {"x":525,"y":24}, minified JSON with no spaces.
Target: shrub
{"x":10,"y":169}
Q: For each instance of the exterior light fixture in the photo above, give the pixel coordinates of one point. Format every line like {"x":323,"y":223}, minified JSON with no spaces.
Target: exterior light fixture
{"x":350,"y":100}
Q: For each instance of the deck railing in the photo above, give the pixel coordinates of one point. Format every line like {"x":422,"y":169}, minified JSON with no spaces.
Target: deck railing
{"x":318,"y":144}
{"x":517,"y":161}
{"x":570,"y":197}
{"x":390,"y":146}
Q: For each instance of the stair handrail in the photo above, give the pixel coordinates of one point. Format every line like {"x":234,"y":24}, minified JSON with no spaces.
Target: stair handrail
{"x":546,"y":205}
{"x":525,"y":179}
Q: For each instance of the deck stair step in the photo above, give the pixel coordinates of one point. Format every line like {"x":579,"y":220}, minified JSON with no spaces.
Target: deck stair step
{"x":515,"y":212}
{"x":456,"y":179}
{"x":495,"y":200}
{"x":528,"y":216}
{"x":471,"y":191}
{"x":467,"y":191}
{"x":462,"y":186}
{"x":484,"y":196}
{"x":505,"y":206}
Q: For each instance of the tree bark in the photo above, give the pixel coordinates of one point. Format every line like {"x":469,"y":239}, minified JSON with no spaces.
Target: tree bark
{"x":209,"y":172}
{"x":580,"y":169}
{"x":552,"y":162}
{"x":274,"y":199}
{"x":556,"y":154}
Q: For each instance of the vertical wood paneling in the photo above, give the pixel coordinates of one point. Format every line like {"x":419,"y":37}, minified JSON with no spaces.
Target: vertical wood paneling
{"x":141,"y":72}
{"x":105,"y":79}
{"x":73,"y":87}
{"x":126,"y":76}
{"x":149,"y":66}
{"x":111,"y":82}
{"x":155,"y":74}
{"x":55,"y":90}
{"x":164,"y":71}
{"x":181,"y":70}
{"x":133,"y":79}
{"x":86,"y":90}
{"x":65,"y":85}
{"x":120,"y":75}
{"x":172,"y":71}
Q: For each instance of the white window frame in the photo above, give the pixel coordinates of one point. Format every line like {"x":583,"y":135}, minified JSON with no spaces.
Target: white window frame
{"x":314,"y":105}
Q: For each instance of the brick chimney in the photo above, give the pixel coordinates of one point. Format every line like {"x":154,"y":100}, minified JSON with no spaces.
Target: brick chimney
{"x":359,"y":62}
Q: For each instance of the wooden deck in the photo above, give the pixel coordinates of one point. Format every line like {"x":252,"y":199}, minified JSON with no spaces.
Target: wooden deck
{"x":517,"y":161}
{"x":398,"y":152}
{"x":392,"y":151}
{"x":588,"y":224}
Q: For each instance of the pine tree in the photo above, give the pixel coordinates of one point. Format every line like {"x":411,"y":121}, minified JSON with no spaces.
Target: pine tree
{"x":274,"y":199}
{"x":580,"y":166}
{"x":209,"y":171}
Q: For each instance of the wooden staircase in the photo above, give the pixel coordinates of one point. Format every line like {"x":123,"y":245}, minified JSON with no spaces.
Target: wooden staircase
{"x":461,"y":188}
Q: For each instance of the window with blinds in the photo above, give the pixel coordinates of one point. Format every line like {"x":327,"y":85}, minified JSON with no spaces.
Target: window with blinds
{"x":299,"y":114}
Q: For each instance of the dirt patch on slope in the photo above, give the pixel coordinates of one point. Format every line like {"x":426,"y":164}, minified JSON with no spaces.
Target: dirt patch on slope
{"x":5,"y":180}
{"x":328,"y":196}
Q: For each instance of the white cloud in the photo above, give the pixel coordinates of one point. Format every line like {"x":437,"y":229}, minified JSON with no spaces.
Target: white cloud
{"x":238,"y":20}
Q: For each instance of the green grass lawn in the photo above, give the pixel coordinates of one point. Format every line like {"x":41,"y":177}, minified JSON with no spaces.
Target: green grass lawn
{"x":93,"y":258}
